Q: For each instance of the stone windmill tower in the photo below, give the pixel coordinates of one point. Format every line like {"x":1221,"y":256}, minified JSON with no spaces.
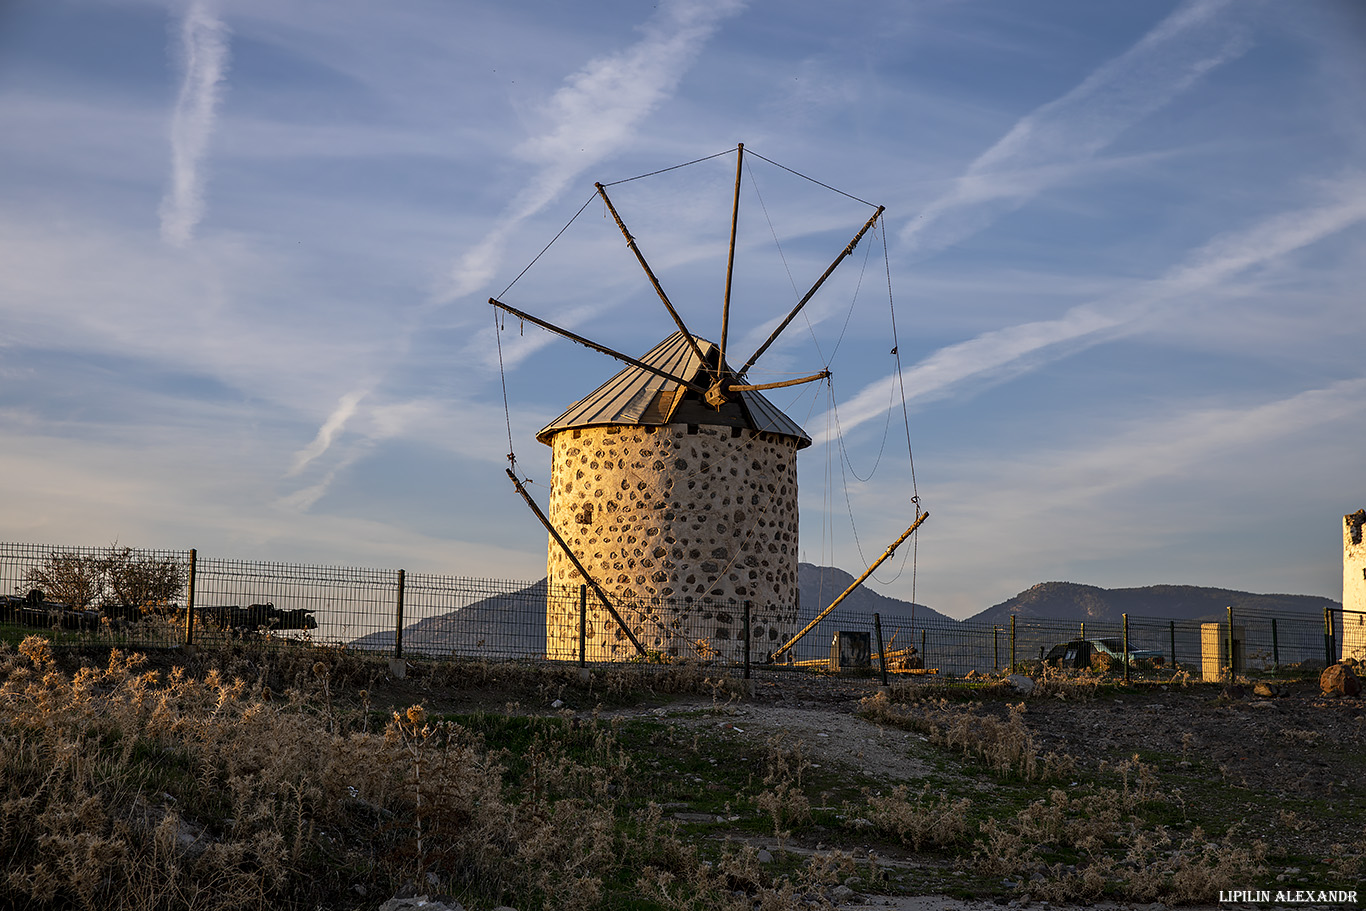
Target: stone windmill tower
{"x":674,"y":495}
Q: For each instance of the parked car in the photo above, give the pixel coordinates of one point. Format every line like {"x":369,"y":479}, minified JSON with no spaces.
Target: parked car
{"x":1080,"y":653}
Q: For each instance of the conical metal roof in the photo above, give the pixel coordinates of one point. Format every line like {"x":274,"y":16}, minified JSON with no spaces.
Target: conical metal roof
{"x":636,"y":396}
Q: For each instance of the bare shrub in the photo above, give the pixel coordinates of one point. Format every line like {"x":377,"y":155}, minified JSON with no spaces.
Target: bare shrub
{"x":1007,"y":747}
{"x":923,"y":821}
{"x":119,"y":576}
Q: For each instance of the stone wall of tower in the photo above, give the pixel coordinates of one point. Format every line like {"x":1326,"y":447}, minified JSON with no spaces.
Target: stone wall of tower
{"x":1354,"y":585}
{"x":680,"y":525}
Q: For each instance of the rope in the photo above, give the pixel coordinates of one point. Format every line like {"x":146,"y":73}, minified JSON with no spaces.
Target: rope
{"x":901,"y":376}
{"x":812,"y":179}
{"x":502,"y":377}
{"x":547,"y":246}
{"x":674,"y":168}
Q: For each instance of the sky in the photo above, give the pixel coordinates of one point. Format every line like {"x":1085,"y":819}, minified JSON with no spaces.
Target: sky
{"x":1109,"y":329}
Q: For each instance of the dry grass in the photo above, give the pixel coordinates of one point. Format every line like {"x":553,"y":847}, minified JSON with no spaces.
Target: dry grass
{"x":123,"y":787}
{"x":1117,"y":854}
{"x":1006,"y":747}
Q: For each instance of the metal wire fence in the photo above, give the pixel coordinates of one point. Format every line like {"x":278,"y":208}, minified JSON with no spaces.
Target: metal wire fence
{"x":168,"y":598}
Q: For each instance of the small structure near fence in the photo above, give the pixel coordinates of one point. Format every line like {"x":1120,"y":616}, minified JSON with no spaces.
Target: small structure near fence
{"x":1354,"y":586}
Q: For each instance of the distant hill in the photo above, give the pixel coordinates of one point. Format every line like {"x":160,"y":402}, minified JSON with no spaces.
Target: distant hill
{"x":819,"y":585}
{"x":500,"y":626}
{"x":513,"y":624}
{"x":1072,"y":601}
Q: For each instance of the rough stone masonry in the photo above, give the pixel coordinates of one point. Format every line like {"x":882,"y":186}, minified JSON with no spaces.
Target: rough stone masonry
{"x":680,"y":524}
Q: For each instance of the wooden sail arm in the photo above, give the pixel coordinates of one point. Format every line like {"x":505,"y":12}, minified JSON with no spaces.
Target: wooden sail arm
{"x":596,"y":347}
{"x":814,"y":288}
{"x":659,"y":289}
{"x":730,"y":259}
{"x":597,"y":589}
{"x":857,"y":582}
{"x":762,"y":386}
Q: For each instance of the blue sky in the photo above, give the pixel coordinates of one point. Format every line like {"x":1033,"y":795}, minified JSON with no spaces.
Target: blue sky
{"x":245,"y":249}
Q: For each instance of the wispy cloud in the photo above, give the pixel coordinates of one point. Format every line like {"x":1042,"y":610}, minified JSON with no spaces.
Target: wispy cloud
{"x":594,"y":113}
{"x":1045,"y":147}
{"x":335,"y":424}
{"x":203,"y":55}
{"x":1007,"y":352}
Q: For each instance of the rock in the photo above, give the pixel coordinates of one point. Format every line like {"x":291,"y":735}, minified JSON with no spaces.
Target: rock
{"x":1339,"y":680}
{"x":1268,"y":690}
{"x":843,"y":895}
{"x":557,"y":704}
{"x":1021,"y":684}
{"x":764,"y":856}
{"x":1234,"y":691}
{"x":421,"y":903}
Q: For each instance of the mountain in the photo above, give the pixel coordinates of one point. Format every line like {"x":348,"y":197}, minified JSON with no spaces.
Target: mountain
{"x":513,"y":624}
{"x":1072,"y":601}
{"x":819,"y":585}
{"x":506,"y":625}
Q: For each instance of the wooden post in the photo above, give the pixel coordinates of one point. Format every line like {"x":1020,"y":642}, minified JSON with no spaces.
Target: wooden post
{"x":1275,"y":647}
{"x":1173,"y":634}
{"x":189,"y":600}
{"x":1329,"y":658}
{"x":881,"y":651}
{"x":398,"y":619}
{"x":1126,"y":647}
{"x":1231,"y":665}
{"x":747,"y":635}
{"x":583,"y":626}
{"x":1012,"y":643}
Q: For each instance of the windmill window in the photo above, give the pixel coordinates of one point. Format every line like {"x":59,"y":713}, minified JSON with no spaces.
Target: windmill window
{"x":734,"y":432}
{"x":692,"y":429}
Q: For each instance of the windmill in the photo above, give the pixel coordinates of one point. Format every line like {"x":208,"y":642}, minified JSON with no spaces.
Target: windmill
{"x":673,"y":494}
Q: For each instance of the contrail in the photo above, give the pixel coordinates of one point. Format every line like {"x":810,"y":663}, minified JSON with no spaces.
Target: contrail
{"x":203,"y":55}
{"x":594,"y":113}
{"x":335,"y":423}
{"x":1047,"y":146}
{"x":1014,"y":350}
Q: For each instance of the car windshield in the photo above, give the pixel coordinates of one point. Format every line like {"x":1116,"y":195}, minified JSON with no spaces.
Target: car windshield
{"x":1113,"y":645}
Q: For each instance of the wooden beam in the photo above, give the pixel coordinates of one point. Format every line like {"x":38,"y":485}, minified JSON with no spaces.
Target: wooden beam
{"x":730,"y":261}
{"x":762,"y":386}
{"x":597,"y":589}
{"x":595,"y":346}
{"x":814,"y":288}
{"x":659,"y":289}
{"x":857,"y":582}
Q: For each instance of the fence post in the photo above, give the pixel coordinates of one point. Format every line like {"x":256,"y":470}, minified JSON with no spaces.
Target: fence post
{"x":1012,"y":643}
{"x":189,"y":601}
{"x":881,"y":651}
{"x":1275,"y":647}
{"x":1083,"y":630}
{"x":1173,"y":632}
{"x":924,"y":661}
{"x":747,"y":634}
{"x":398,"y":619}
{"x":583,"y":626}
{"x":1126,"y":647}
{"x":995,"y":647}
{"x":1328,"y":657}
{"x":1231,"y":664}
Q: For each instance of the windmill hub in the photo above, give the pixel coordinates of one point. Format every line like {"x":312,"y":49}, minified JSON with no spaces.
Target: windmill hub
{"x":719,"y":393}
